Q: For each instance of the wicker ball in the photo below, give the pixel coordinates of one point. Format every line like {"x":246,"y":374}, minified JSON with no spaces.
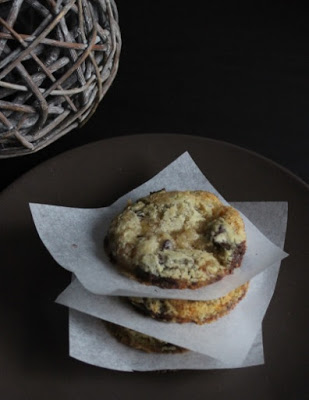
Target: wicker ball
{"x":57,"y":60}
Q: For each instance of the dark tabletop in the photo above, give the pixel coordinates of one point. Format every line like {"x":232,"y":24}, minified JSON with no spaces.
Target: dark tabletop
{"x":215,"y":70}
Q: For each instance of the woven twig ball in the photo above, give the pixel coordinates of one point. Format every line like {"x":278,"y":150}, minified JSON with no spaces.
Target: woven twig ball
{"x":57,"y":60}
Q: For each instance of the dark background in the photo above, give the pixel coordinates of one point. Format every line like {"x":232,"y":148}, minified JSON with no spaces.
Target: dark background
{"x":213,"y":69}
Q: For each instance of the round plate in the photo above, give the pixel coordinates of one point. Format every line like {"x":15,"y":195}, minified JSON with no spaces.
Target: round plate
{"x":34,"y":336}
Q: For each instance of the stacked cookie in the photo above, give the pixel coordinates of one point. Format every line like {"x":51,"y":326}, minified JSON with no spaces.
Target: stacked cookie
{"x":176,"y":240}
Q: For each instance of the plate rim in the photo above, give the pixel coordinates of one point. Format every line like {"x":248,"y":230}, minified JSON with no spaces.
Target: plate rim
{"x":261,"y":157}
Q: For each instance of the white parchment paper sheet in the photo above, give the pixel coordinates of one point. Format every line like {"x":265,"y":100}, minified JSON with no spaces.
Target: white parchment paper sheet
{"x":230,"y":338}
{"x":74,"y":237}
{"x":91,"y":343}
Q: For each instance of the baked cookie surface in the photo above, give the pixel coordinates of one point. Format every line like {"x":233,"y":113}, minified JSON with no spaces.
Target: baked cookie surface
{"x":181,"y":311}
{"x":139,"y":341}
{"x":177,"y":239}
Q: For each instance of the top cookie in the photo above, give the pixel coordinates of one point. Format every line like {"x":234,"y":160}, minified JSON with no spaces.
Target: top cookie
{"x":177,"y":239}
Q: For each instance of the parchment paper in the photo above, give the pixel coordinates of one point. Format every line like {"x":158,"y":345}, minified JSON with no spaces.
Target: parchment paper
{"x":74,"y":237}
{"x":91,"y":343}
{"x":228,"y":340}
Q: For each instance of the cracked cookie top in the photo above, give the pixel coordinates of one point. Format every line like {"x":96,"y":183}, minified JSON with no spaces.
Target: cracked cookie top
{"x":177,"y":239}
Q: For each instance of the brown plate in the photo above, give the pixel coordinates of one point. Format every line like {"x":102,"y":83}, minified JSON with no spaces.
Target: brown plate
{"x":34,"y":360}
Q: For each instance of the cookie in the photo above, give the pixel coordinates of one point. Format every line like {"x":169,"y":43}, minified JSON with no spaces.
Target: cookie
{"x":141,"y":341}
{"x":181,"y":311}
{"x":177,"y":239}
